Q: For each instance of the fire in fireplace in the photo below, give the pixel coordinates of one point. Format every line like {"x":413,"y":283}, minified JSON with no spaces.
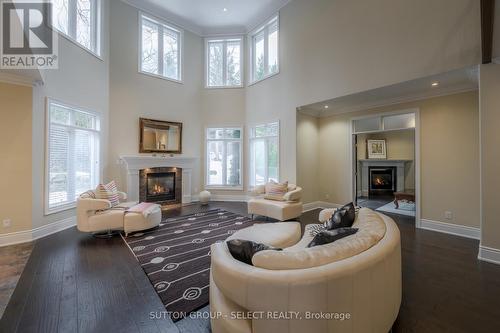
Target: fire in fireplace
{"x":161,"y":185}
{"x":382,"y":180}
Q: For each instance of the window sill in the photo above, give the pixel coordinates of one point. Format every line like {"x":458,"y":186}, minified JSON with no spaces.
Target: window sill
{"x":74,"y":42}
{"x":264,"y":78}
{"x":224,"y":87}
{"x":161,"y":77}
{"x":51,"y":211}
{"x":224,"y":188}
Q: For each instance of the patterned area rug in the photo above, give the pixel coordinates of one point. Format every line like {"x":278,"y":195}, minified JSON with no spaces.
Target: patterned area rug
{"x":176,"y":256}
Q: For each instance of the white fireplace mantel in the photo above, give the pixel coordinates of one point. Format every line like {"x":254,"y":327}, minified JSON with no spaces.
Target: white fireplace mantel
{"x":366,"y":163}
{"x":135,"y":163}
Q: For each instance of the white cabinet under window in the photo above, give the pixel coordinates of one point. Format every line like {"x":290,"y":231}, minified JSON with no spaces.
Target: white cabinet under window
{"x":223,"y":62}
{"x":72,"y":159}
{"x":224,"y":157}
{"x":264,"y":153}
{"x":79,"y":20}
{"x":265,"y":50}
{"x":160,"y":51}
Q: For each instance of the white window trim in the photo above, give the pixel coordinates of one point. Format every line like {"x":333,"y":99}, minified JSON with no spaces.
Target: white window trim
{"x":72,"y":205}
{"x":250,"y":138}
{"x":225,"y":39}
{"x":224,"y":187}
{"x":169,"y":25}
{"x":96,"y":31}
{"x":251,"y":50}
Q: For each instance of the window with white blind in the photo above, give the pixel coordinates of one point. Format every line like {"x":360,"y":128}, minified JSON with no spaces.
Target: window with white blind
{"x":79,"y":20}
{"x":72,"y":160}
{"x":264,"y":153}
{"x":224,"y":158}
{"x":160,"y":52}
{"x":223,"y":62}
{"x":264,"y":50}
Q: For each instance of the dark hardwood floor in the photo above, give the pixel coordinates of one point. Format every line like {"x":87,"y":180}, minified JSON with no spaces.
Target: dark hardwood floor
{"x":76,"y":283}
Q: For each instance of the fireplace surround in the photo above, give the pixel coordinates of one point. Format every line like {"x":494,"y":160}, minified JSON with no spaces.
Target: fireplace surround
{"x":162,"y":185}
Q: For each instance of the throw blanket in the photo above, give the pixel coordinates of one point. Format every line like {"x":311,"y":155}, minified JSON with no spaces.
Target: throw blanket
{"x":143,"y":208}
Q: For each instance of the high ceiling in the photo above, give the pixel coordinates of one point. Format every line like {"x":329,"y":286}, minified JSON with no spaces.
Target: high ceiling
{"x":207,"y":17}
{"x":447,"y":83}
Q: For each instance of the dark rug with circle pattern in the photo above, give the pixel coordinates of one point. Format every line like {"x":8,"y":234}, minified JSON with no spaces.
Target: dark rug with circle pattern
{"x":176,"y":256}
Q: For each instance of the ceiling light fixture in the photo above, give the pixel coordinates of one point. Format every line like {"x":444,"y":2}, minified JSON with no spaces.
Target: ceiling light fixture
{"x":435,"y":84}
{"x":326,"y":106}
{"x":224,"y":9}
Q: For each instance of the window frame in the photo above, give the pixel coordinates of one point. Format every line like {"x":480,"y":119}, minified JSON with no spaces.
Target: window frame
{"x":238,"y":187}
{"x":70,"y":205}
{"x":95,"y":28}
{"x":180,"y":48}
{"x":225,"y":41}
{"x":251,"y":138}
{"x":264,"y":28}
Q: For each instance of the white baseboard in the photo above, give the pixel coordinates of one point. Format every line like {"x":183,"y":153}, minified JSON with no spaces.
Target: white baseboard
{"x":319,"y":205}
{"x":489,"y":254}
{"x":230,"y":197}
{"x":31,"y":235}
{"x":452,"y":229}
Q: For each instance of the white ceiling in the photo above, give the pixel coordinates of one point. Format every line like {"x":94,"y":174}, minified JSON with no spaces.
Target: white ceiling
{"x":207,"y":17}
{"x":449,"y":83}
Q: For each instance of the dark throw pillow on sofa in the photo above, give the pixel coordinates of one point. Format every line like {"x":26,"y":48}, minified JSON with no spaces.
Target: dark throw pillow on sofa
{"x":330,"y":236}
{"x":342,"y":218}
{"x":243,"y":250}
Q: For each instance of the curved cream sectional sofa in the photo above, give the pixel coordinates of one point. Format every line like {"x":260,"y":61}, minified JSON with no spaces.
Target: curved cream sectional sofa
{"x":360,"y":287}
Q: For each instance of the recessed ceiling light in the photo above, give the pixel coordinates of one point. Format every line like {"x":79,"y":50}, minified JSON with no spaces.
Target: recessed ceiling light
{"x":224,"y":9}
{"x":326,"y":106}
{"x":435,"y":84}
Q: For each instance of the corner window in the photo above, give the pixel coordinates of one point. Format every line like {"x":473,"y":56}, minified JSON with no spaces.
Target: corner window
{"x":72,"y":156}
{"x":264,"y":153}
{"x":160,"y":52}
{"x":223,"y":62}
{"x":265,"y":47}
{"x":224,"y":157}
{"x":79,"y":20}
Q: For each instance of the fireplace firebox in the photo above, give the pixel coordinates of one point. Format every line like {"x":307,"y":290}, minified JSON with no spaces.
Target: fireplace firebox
{"x":161,"y":185}
{"x":382,"y":180}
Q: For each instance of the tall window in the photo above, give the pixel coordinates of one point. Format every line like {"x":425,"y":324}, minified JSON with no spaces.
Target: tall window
{"x":160,"y":52}
{"x":79,"y":20}
{"x":223,"y":62}
{"x":224,"y":157}
{"x":264,"y":41}
{"x":72,"y":155}
{"x":264,"y":153}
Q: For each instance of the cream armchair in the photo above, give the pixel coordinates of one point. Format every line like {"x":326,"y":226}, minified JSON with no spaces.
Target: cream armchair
{"x":288,"y":209}
{"x":98,"y":215}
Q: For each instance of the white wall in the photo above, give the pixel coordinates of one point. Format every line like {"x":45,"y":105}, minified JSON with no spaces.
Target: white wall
{"x":81,"y":80}
{"x":134,"y":95}
{"x":333,"y":48}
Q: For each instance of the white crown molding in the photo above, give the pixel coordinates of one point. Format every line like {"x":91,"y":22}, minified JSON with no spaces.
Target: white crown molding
{"x":17,"y":79}
{"x":489,"y":254}
{"x":450,"y":228}
{"x":36,"y":233}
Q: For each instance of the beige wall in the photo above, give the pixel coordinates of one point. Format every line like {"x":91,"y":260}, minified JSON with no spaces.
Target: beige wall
{"x":400,"y":145}
{"x":490,"y":154}
{"x":15,"y":157}
{"x":449,"y":148}
{"x":308,"y":155}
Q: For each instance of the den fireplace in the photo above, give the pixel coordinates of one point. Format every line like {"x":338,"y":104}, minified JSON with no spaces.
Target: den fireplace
{"x":161,"y":185}
{"x":383,"y":180}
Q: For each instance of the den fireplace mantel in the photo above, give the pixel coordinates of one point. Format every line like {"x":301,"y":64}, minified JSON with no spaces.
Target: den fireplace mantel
{"x":365,"y":165}
{"x":133,"y":164}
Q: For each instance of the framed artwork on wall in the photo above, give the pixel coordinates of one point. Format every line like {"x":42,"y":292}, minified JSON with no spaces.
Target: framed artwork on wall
{"x":376,"y":149}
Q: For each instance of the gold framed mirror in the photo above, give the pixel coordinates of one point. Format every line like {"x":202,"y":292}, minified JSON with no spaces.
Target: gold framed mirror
{"x":157,"y":136}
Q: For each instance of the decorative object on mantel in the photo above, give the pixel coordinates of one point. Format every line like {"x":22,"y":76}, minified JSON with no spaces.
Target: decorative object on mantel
{"x":157,"y":136}
{"x":376,"y":149}
{"x":204,"y":197}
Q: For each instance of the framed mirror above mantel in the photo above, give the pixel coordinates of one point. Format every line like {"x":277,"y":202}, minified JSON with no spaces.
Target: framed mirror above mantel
{"x":158,"y":136}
